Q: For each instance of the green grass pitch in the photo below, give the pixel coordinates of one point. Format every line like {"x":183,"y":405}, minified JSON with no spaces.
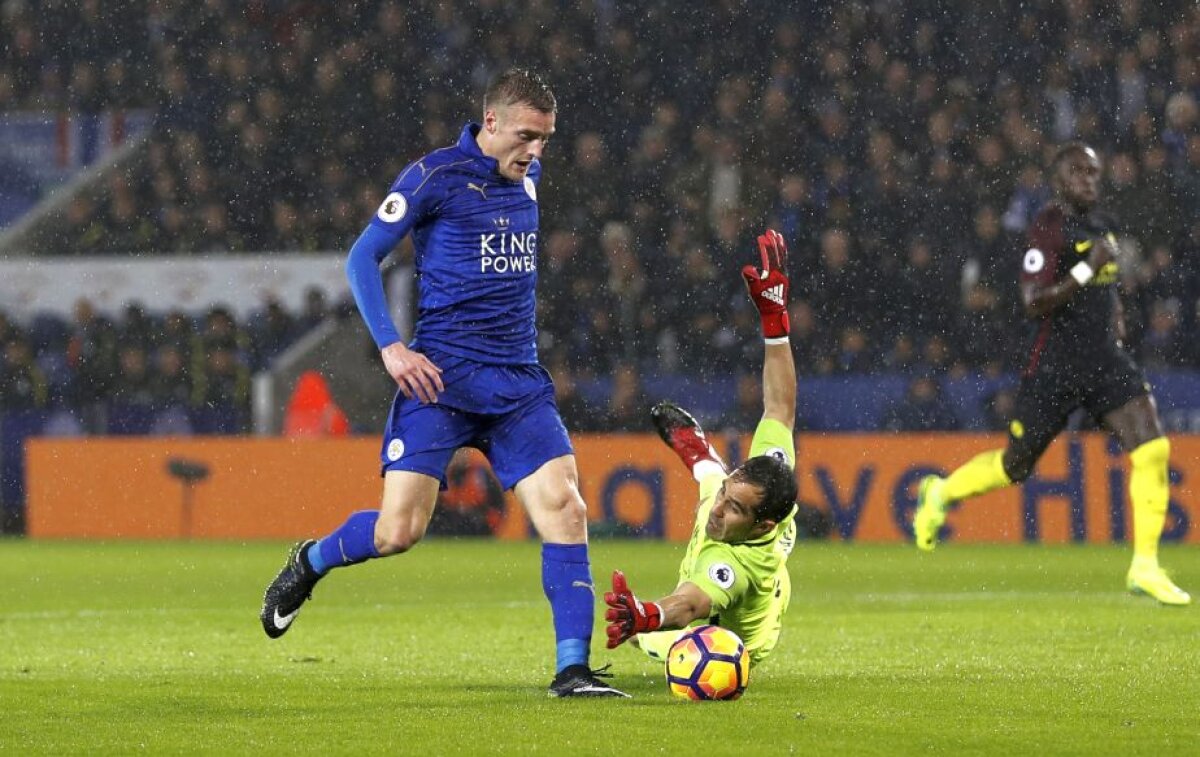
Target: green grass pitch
{"x":156,"y":647}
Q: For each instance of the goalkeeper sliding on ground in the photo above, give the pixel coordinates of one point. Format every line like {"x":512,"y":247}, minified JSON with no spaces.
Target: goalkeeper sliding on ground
{"x":734,"y":573}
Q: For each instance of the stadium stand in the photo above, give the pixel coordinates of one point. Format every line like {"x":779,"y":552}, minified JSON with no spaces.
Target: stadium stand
{"x":905,"y":172}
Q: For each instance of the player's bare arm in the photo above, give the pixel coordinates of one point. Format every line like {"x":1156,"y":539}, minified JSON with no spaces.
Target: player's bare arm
{"x":779,"y":384}
{"x":684,"y":605}
{"x":1119,"y":327}
{"x":415,"y":374}
{"x":628,"y":616}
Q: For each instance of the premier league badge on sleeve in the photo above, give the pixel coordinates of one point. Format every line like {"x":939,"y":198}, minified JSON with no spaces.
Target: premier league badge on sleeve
{"x":721,"y":574}
{"x":1034,"y":260}
{"x":393,"y":208}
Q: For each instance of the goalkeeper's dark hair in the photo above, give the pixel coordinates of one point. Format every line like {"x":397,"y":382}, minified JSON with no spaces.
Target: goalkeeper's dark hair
{"x":1066,"y":150}
{"x":777,"y":482}
{"x":520,"y":86}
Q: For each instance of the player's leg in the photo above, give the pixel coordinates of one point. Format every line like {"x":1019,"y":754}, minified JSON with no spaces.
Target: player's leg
{"x":551,"y":497}
{"x":1039,"y":415}
{"x":408,"y":500}
{"x":397,"y":526}
{"x":417,"y":447}
{"x":1137,"y":427}
{"x":531,"y":453}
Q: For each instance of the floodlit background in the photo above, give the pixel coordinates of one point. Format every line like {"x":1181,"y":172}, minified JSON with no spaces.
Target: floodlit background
{"x":184,"y":382}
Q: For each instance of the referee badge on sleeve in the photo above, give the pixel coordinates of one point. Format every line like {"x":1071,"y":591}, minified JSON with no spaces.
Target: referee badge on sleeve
{"x":722,"y":574}
{"x":393,"y":208}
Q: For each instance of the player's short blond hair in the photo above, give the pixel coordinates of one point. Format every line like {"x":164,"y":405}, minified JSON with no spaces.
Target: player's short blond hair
{"x":520,"y":86}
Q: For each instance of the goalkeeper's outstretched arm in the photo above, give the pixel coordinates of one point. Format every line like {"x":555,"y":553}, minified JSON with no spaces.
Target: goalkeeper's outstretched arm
{"x":779,"y":384}
{"x":628,"y":616}
{"x":768,"y":288}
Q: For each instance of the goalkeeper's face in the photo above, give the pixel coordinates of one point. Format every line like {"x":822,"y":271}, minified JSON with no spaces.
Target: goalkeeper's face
{"x":733,"y":517}
{"x":515,"y":135}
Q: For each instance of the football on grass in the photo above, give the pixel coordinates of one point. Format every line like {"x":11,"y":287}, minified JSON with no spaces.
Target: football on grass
{"x":708,"y":662}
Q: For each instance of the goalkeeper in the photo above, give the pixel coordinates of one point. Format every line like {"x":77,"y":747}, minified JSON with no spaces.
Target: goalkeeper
{"x":734,"y":573}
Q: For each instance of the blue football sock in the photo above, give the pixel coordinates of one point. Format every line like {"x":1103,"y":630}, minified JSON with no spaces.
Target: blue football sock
{"x":353,"y":542}
{"x":567,"y":581}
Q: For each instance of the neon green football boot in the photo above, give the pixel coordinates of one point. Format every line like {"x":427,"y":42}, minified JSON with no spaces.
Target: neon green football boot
{"x":930,"y":514}
{"x":1146,"y":577}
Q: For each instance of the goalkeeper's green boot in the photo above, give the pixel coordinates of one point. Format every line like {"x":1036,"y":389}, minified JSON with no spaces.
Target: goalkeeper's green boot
{"x":930,"y":514}
{"x":1146,"y":577}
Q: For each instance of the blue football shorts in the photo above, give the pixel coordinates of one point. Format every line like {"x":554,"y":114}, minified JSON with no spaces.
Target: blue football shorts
{"x":508,"y":412}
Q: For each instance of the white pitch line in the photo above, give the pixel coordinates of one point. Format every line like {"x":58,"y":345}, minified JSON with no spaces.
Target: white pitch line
{"x":968,"y":596}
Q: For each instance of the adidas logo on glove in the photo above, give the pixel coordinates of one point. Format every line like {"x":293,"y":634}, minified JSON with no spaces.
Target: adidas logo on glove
{"x":774,"y":294}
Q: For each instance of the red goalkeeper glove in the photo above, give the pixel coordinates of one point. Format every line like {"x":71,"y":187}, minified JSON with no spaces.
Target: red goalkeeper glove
{"x":627,"y":615}
{"x":769,"y":287}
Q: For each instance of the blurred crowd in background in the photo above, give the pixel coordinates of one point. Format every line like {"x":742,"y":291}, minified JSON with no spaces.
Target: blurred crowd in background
{"x":145,"y":373}
{"x":898,"y":146}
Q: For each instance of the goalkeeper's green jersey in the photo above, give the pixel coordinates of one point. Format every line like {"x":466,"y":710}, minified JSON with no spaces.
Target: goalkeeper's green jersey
{"x":748,"y":582}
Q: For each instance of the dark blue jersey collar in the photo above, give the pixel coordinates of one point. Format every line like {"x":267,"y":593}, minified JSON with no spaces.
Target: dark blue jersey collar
{"x":468,"y":145}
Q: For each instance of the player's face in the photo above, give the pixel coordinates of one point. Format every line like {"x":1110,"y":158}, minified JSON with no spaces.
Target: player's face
{"x":516,"y":135}
{"x":1079,"y":178}
{"x":732,"y":517}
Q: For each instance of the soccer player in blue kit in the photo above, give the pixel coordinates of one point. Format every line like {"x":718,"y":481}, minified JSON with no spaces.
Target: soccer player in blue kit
{"x":471,"y":376}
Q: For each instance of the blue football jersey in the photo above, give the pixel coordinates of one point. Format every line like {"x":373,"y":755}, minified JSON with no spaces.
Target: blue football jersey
{"x":475,"y":234}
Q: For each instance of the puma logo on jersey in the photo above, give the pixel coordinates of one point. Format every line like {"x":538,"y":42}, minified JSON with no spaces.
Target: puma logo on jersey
{"x":478,"y":188}
{"x":774,"y":294}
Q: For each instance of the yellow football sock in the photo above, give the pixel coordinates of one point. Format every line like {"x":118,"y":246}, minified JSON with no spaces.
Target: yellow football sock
{"x":979,"y":475}
{"x":1148,"y":491}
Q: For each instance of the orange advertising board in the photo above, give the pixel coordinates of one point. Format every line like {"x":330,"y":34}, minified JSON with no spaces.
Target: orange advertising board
{"x":288,"y":488}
